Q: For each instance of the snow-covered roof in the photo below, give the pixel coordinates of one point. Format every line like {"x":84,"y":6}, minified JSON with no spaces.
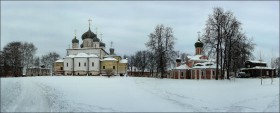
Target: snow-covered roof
{"x":196,"y":58}
{"x":184,"y":66}
{"x":70,"y":56}
{"x":92,"y":55}
{"x":255,"y":61}
{"x":257,"y":67}
{"x":81,"y":55}
{"x":35,"y":67}
{"x":205,"y":65}
{"x":59,"y":60}
{"x":123,"y":61}
{"x":110,"y":59}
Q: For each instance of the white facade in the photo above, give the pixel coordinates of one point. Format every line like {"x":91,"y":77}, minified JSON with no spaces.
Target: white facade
{"x":68,"y":65}
{"x":82,"y":64}
{"x":87,"y":59}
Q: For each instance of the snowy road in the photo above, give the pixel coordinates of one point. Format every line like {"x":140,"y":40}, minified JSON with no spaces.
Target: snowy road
{"x":132,"y":94}
{"x":27,"y":97}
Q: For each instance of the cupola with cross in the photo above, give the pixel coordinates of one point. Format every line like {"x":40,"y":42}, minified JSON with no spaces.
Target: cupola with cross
{"x":75,"y":42}
{"x":198,"y":46}
{"x":87,"y":37}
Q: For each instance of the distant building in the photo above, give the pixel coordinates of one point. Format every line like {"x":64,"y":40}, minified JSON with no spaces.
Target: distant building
{"x":91,"y":58}
{"x":258,"y":69}
{"x":138,"y":73}
{"x":58,"y":67}
{"x":196,"y":67}
{"x":38,"y":71}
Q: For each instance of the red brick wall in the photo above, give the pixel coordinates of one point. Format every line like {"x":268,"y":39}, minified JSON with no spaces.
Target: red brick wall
{"x":208,"y":74}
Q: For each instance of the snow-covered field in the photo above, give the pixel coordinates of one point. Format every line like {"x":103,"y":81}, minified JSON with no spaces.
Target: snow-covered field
{"x":133,"y":94}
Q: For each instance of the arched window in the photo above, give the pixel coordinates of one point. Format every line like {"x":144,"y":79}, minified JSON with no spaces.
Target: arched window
{"x":79,"y":64}
{"x":92,"y":64}
{"x":103,"y":67}
{"x":113,"y":67}
{"x":85,"y":64}
{"x":67,"y":64}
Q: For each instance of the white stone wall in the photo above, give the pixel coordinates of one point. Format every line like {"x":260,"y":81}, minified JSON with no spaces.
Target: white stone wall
{"x":96,"y":65}
{"x":80,"y":67}
{"x":70,"y":64}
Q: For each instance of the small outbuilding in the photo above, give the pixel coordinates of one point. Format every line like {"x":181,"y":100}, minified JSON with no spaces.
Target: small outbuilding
{"x":258,"y":69}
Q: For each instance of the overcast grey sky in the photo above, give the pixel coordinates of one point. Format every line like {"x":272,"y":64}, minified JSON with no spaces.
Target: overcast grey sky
{"x":50,"y":25}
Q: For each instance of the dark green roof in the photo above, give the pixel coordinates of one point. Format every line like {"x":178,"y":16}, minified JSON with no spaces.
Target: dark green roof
{"x":102,"y":44}
{"x":88,"y":34}
{"x":198,"y":44}
{"x":75,"y":40}
{"x":96,"y":39}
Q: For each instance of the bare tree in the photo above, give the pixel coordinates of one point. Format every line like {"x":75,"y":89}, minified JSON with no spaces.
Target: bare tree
{"x":2,"y":71}
{"x":151,"y":66}
{"x":161,"y":43}
{"x":131,"y":62}
{"x":37,"y":62}
{"x":223,"y":37}
{"x":277,"y":65}
{"x":184,"y":57}
{"x":49,"y":59}
{"x":28,"y":51}
{"x":141,"y":60}
{"x":12,"y":58}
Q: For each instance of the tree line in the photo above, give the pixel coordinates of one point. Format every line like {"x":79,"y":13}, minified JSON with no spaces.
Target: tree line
{"x":17,"y":56}
{"x":159,"y":54}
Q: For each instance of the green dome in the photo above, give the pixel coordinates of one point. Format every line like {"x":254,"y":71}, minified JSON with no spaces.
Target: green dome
{"x":198,"y":44}
{"x":75,"y":40}
{"x":102,"y":44}
{"x":178,"y":60}
{"x":96,"y":39}
{"x":88,"y":34}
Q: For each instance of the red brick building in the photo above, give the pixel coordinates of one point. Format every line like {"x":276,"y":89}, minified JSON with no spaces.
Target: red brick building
{"x":197,"y":66}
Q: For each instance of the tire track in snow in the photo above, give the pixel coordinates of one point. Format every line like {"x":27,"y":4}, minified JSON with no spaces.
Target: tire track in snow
{"x":31,"y":98}
{"x":238,"y":107}
{"x":171,"y":97}
{"x":58,"y":103}
{"x":273,"y":104}
{"x":10,"y":92}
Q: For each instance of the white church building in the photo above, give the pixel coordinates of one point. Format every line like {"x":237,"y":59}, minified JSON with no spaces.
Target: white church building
{"x":91,"y":57}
